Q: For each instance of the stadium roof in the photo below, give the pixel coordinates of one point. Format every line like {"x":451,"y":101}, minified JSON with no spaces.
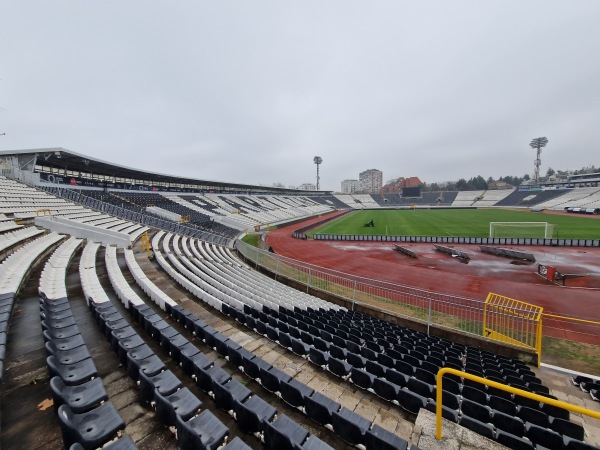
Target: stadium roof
{"x":62,"y":159}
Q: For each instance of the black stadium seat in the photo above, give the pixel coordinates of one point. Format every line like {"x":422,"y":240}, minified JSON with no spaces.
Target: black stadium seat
{"x":253,"y":414}
{"x":378,"y":438}
{"x":181,"y":403}
{"x":203,"y":431}
{"x":320,"y":408}
{"x":80,"y":398}
{"x":90,"y":429}
{"x":350,"y":426}
{"x":284,"y":434}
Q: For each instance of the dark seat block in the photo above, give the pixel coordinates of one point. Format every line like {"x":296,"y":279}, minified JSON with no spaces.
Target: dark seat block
{"x":284,"y":434}
{"x":320,"y":408}
{"x":362,"y":378}
{"x":350,"y":426}
{"x":253,"y":365}
{"x":355,"y":360}
{"x":79,"y":398}
{"x":533,"y":416}
{"x":226,"y":394}
{"x":386,"y":389}
{"x":294,"y":393}
{"x":566,"y":428}
{"x":165,"y":335}
{"x":411,"y":401}
{"x":164,"y":383}
{"x":143,"y":360}
{"x":512,"y":441}
{"x":117,"y":335}
{"x":206,"y":378}
{"x":237,"y":355}
{"x":237,"y":444}
{"x":502,"y":405}
{"x":420,"y":387}
{"x":398,"y":378}
{"x":272,"y":378}
{"x":66,"y":344}
{"x":72,"y":374}
{"x":90,"y":429}
{"x":57,"y":324}
{"x":253,"y":414}
{"x":484,"y":429}
{"x":378,"y":438}
{"x":376,"y":368}
{"x":300,"y":348}
{"x":318,"y":357}
{"x":185,"y":353}
{"x":543,"y":436}
{"x":60,"y":333}
{"x":339,"y":367}
{"x":191,"y":364}
{"x":203,"y":431}
{"x":127,"y":344}
{"x":182,"y":402}
{"x":508,"y":423}
{"x":314,"y":443}
{"x":174,"y":344}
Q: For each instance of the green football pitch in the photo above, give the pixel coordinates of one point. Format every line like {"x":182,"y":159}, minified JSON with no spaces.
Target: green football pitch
{"x":458,"y":222}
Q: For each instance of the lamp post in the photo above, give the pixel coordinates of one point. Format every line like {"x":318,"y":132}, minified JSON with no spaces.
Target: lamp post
{"x":538,"y":143}
{"x":317,"y":160}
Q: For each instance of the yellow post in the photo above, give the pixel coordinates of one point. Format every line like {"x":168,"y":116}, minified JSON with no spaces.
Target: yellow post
{"x":504,"y":387}
{"x":513,"y":321}
{"x":146,"y":243}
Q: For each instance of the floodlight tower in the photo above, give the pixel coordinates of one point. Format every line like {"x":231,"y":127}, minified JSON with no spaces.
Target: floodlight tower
{"x":538,"y":143}
{"x":317,"y":160}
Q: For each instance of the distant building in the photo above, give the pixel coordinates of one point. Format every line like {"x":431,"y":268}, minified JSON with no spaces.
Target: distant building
{"x":307,"y":187}
{"x":350,"y":186}
{"x":497,"y":185}
{"x":396,"y":186}
{"x":371,"y":181}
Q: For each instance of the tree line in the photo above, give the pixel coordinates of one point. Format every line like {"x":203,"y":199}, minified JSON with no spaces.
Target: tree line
{"x":478,"y":183}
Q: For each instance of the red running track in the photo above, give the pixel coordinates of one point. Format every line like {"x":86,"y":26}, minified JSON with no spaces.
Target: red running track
{"x":484,"y":273}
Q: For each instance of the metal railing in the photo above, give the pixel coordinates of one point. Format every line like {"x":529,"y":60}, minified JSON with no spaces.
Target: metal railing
{"x":136,"y":216}
{"x":432,"y":308}
{"x":503,"y":387}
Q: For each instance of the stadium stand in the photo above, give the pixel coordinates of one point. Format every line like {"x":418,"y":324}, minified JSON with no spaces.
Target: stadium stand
{"x":158,"y":343}
{"x":467,"y":198}
{"x":526,"y":198}
{"x":490,"y":198}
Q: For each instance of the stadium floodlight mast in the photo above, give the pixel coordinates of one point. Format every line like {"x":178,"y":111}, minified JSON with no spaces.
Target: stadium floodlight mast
{"x":538,"y":143}
{"x":317,"y":160}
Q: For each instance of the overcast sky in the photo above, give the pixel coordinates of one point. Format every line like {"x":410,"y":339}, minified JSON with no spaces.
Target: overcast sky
{"x":251,"y":91}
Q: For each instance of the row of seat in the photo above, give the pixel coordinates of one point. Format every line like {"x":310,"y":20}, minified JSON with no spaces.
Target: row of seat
{"x":392,"y":384}
{"x":350,"y":426}
{"x":13,"y":271}
{"x":367,"y":380}
{"x":232,"y":393}
{"x":412,"y":388}
{"x":589,"y":385}
{"x":232,"y":290}
{"x":208,"y":376}
{"x":86,"y":417}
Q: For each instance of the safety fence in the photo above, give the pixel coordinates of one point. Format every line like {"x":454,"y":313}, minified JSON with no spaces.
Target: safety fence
{"x":136,"y":216}
{"x":463,"y":314}
{"x":459,"y":240}
{"x":513,"y":390}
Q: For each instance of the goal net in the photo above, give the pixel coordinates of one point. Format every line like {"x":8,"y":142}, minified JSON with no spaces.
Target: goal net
{"x":521,"y":230}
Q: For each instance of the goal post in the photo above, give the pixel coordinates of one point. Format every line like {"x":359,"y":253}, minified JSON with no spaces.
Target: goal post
{"x":521,"y":230}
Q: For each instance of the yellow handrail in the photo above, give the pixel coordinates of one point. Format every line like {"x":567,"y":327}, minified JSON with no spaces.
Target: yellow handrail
{"x":504,"y":387}
{"x":574,"y":319}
